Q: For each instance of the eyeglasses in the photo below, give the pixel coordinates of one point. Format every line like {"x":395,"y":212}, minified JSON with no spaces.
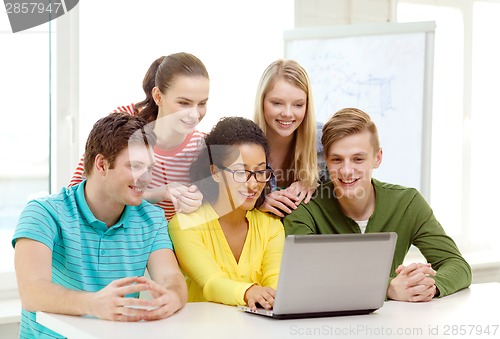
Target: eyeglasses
{"x":242,"y":176}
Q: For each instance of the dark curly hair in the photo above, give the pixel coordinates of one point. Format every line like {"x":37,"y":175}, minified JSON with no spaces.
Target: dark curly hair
{"x":229,"y":131}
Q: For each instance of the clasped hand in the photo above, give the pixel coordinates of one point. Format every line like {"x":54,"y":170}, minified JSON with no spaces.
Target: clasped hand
{"x":413,"y":283}
{"x":110,"y":303}
{"x":186,"y":199}
{"x":281,"y":202}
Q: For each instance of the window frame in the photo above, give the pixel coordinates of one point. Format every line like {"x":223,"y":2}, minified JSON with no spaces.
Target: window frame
{"x":63,"y":116}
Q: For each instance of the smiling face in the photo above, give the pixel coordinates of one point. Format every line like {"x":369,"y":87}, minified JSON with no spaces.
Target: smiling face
{"x":183,"y":105}
{"x":125,"y":182}
{"x":351,"y":161}
{"x":284,"y":108}
{"x":244,"y":195}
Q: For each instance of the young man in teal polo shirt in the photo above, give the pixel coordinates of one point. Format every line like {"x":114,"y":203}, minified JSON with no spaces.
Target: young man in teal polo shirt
{"x":84,"y":251}
{"x":354,"y":202}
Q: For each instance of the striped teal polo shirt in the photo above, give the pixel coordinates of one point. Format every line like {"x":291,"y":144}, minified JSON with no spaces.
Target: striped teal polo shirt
{"x":86,"y":254}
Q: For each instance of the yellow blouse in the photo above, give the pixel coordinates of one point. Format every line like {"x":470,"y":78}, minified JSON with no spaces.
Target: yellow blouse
{"x":207,"y":261}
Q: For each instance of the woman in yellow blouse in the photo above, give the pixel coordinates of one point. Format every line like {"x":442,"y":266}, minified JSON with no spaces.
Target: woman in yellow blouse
{"x":230,"y":251}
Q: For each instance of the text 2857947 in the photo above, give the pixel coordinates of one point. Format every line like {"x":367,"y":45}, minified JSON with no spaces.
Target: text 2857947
{"x":33,"y":7}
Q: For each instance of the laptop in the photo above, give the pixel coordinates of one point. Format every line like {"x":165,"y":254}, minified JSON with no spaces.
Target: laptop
{"x":332,"y":275}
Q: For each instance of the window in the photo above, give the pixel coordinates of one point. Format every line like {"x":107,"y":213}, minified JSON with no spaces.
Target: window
{"x":484,"y":124}
{"x":465,"y":116}
{"x":447,"y":111}
{"x":25,"y":88}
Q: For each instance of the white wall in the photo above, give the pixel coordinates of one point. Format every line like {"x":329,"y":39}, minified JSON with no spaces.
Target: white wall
{"x":327,"y":12}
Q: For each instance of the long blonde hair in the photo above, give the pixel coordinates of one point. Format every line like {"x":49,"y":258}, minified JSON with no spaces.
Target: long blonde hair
{"x":304,"y":164}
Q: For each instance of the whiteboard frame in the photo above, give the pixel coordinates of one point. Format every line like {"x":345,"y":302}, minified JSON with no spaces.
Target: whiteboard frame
{"x":427,"y":27}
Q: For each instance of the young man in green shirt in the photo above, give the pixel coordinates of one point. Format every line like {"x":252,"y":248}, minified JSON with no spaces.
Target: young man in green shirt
{"x":354,"y":202}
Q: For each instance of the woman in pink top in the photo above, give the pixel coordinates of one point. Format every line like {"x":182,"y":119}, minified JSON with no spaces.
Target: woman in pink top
{"x":176,"y":88}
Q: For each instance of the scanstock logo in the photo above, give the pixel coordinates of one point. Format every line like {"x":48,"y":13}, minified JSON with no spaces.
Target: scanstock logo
{"x":25,"y":14}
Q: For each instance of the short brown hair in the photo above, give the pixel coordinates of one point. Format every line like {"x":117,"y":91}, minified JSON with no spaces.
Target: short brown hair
{"x":346,"y":122}
{"x":112,"y":134}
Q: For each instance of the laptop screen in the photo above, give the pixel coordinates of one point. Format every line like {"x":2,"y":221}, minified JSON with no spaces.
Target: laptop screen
{"x":334,"y":272}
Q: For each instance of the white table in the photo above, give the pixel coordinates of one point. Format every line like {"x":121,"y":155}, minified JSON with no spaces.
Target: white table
{"x":469,"y":313}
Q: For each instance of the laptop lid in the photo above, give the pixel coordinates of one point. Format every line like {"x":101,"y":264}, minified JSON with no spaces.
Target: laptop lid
{"x":334,"y":274}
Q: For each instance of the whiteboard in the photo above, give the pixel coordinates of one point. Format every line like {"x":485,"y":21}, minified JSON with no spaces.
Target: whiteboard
{"x":385,"y":70}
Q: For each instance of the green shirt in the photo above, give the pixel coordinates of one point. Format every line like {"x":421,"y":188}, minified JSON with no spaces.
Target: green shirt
{"x":397,"y":209}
